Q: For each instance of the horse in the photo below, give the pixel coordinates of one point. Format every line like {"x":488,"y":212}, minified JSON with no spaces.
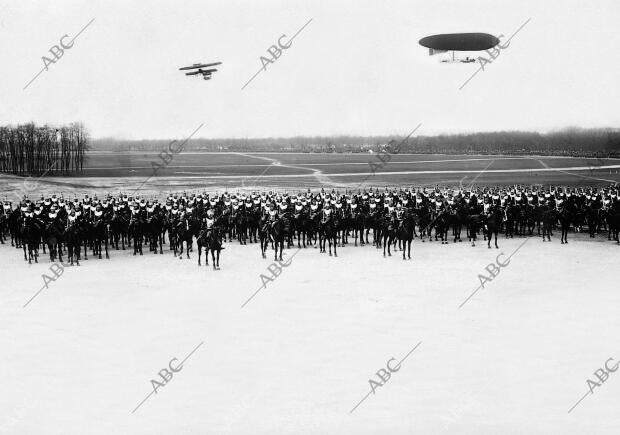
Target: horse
{"x":136,"y":230}
{"x":118,"y":228}
{"x":314,"y":225}
{"x":241,"y":224}
{"x":301,"y":226}
{"x":155,"y":231}
{"x":424,"y":222}
{"x":455,"y":221}
{"x":548,"y":220}
{"x":4,"y":225}
{"x":72,"y":239}
{"x":357,"y":225}
{"x":388,"y":233}
{"x":342,"y":228}
{"x":473,"y":225}
{"x":614,"y":222}
{"x":99,"y":234}
{"x":253,"y":221}
{"x":30,"y":230}
{"x":521,"y":219}
{"x":442,"y":225}
{"x":277,"y":234}
{"x":53,"y":238}
{"x":214,"y":242}
{"x":493,"y":223}
{"x":592,"y":218}
{"x":511,"y":214}
{"x":533,"y":218}
{"x":328,"y":231}
{"x":184,"y":233}
{"x":565,"y":217}
{"x":209,"y":238}
{"x":404,"y":233}
{"x":372,"y":222}
{"x":14,"y":223}
{"x":264,"y":236}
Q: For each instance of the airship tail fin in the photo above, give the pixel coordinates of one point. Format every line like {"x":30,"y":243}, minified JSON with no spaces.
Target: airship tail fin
{"x":432,"y":51}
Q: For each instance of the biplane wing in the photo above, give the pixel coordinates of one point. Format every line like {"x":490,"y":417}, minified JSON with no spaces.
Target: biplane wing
{"x":200,"y":65}
{"x":201,"y":71}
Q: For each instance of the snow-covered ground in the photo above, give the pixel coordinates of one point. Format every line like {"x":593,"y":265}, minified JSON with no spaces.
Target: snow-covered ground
{"x":299,"y":356}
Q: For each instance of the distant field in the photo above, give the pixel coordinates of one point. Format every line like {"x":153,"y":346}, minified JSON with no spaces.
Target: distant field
{"x":116,"y":171}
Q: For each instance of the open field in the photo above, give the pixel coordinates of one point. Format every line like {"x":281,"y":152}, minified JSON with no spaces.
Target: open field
{"x":298,"y":357}
{"x":113,"y":172}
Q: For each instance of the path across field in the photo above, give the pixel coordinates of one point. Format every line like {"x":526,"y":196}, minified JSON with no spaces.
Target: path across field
{"x":126,"y":171}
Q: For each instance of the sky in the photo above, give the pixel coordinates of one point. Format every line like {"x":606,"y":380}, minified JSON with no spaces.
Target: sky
{"x":355,"y":69}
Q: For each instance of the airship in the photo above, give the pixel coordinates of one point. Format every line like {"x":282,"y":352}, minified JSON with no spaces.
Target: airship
{"x":458,"y":42}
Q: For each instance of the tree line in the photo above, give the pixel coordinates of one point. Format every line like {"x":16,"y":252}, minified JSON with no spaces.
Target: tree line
{"x":569,"y":142}
{"x":28,"y":149}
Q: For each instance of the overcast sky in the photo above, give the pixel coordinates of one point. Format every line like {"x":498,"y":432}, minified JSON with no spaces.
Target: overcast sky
{"x":355,"y":69}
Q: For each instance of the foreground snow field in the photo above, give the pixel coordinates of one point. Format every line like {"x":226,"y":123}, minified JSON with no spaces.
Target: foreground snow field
{"x":299,"y":356}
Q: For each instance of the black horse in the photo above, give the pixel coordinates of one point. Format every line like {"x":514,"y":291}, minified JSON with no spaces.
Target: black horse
{"x":493,"y":223}
{"x":214,"y":242}
{"x":99,"y":234}
{"x":136,"y":231}
{"x":54,"y":237}
{"x":184,"y":234}
{"x":72,"y":238}
{"x":328,"y":232}
{"x":31,"y":235}
{"x":404,"y":233}
{"x":549,"y":218}
{"x":388,"y":233}
{"x":277,"y":233}
{"x":565,"y":217}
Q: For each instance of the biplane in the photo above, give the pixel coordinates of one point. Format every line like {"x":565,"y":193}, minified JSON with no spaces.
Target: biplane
{"x":201,"y":68}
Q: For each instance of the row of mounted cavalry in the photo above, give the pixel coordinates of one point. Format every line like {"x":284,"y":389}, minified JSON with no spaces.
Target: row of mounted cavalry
{"x":390,"y":219}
